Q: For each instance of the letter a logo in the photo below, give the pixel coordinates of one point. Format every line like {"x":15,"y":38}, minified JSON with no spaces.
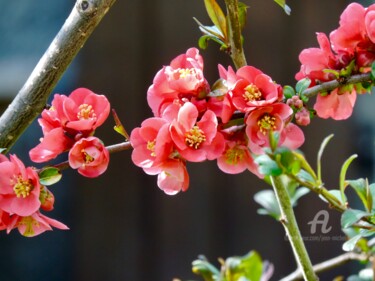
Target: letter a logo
{"x":323,"y":222}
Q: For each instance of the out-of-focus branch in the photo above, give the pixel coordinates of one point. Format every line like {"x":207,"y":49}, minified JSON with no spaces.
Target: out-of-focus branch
{"x":328,"y":264}
{"x":32,"y":97}
{"x":234,"y":34}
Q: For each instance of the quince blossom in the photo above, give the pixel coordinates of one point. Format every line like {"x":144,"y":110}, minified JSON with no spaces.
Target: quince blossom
{"x":274,"y":118}
{"x":195,"y":140}
{"x":89,"y":156}
{"x":173,"y":177}
{"x":181,"y":81}
{"x":19,"y":187}
{"x":68,"y":120}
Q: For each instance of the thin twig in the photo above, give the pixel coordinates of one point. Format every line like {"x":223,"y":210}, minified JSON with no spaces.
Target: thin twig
{"x":330,"y":85}
{"x":328,"y":264}
{"x":32,"y":98}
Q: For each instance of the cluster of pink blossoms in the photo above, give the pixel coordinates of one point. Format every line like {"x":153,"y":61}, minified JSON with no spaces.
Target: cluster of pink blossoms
{"x":349,"y":50}
{"x":229,"y":122}
{"x":68,"y":125}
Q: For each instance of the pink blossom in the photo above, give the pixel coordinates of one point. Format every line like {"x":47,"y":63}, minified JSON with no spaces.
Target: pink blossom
{"x":236,"y":157}
{"x":254,"y":89}
{"x":19,"y":187}
{"x":303,"y":117}
{"x":68,"y":120}
{"x":151,"y":144}
{"x":336,"y":105}
{"x":4,"y":220}
{"x":33,"y":224}
{"x":181,"y":81}
{"x":47,"y":199}
{"x":173,"y":177}
{"x":195,"y":140}
{"x":272,"y":118}
{"x":89,"y":156}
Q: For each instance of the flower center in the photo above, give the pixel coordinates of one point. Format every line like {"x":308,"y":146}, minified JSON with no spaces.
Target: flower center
{"x":87,"y":157}
{"x":151,"y":146}
{"x":21,"y":187}
{"x":267,"y":123}
{"x":186,"y":72}
{"x":252,"y":93}
{"x":86,"y":112}
{"x":194,"y":137}
{"x":234,"y":155}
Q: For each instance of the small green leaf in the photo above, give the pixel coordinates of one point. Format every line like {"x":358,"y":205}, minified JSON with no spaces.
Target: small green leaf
{"x":337,"y":194}
{"x":242,"y":12}
{"x":343,"y":171}
{"x":302,"y":85}
{"x":361,"y":187}
{"x":352,"y":216}
{"x":267,"y":166}
{"x":288,"y":92}
{"x":283,"y":5}
{"x":373,"y":71}
{"x":203,"y":41}
{"x":320,"y":154}
{"x":274,"y":138}
{"x":350,"y":244}
{"x":119,"y":128}
{"x":248,"y":267}
{"x":49,"y":175}
{"x":205,"y":269}
{"x":298,"y":194}
{"x":267,"y":199}
{"x":216,"y":15}
{"x":289,"y":160}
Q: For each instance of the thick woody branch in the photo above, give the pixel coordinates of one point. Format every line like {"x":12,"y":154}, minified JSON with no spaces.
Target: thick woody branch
{"x":331,"y":85}
{"x":328,"y":264}
{"x":32,"y":97}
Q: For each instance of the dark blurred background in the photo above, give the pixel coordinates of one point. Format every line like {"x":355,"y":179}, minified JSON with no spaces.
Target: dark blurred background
{"x":122,"y":227}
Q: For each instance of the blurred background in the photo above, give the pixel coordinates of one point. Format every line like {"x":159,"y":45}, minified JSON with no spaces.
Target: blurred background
{"x":122,"y":227}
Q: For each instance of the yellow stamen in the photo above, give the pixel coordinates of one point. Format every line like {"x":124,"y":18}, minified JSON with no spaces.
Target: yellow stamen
{"x":88,"y":158}
{"x":234,"y":155}
{"x":252,"y":93}
{"x":21,"y":187}
{"x":195,"y":137}
{"x":185,"y":72}
{"x":266,"y":123}
{"x":86,"y":112}
{"x":151,"y":146}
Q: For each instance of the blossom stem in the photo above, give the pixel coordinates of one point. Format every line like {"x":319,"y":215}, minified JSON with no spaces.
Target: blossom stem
{"x":234,"y":34}
{"x":328,"y":264}
{"x":291,"y":227}
{"x":330,"y":85}
{"x":32,"y":98}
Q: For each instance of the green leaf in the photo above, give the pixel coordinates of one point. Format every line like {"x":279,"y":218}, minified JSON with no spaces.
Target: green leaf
{"x":283,"y":5}
{"x":266,"y":166}
{"x":119,"y":128}
{"x":49,"y":175}
{"x":216,"y":15}
{"x":218,"y":89}
{"x":203,"y":41}
{"x":289,"y":160}
{"x":373,"y":71}
{"x":274,"y":138}
{"x":350,"y":244}
{"x":298,"y":194}
{"x":267,"y":199}
{"x":352,"y":216}
{"x":320,"y":154}
{"x":302,"y":85}
{"x":248,"y":267}
{"x":337,"y":194}
{"x":362,"y":189}
{"x":343,"y":171}
{"x":288,"y":92}
{"x":242,"y":12}
{"x":205,"y":269}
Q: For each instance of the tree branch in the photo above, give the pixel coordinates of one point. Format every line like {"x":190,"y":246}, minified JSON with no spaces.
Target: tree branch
{"x":290,"y":224}
{"x":32,"y":97}
{"x":328,"y":264}
{"x":331,"y":85}
{"x":234,"y":34}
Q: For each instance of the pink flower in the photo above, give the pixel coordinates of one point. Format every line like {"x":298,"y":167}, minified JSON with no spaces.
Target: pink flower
{"x":4,"y":220}
{"x":303,"y":117}
{"x":33,"y":224}
{"x":179,"y":82}
{"x":68,"y":120}
{"x":173,"y":177}
{"x":89,"y":156}
{"x":336,"y":105}
{"x":19,"y":187}
{"x":236,"y":157}
{"x":152,"y":144}
{"x":196,"y":140}
{"x":272,"y":118}
{"x":254,"y":89}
